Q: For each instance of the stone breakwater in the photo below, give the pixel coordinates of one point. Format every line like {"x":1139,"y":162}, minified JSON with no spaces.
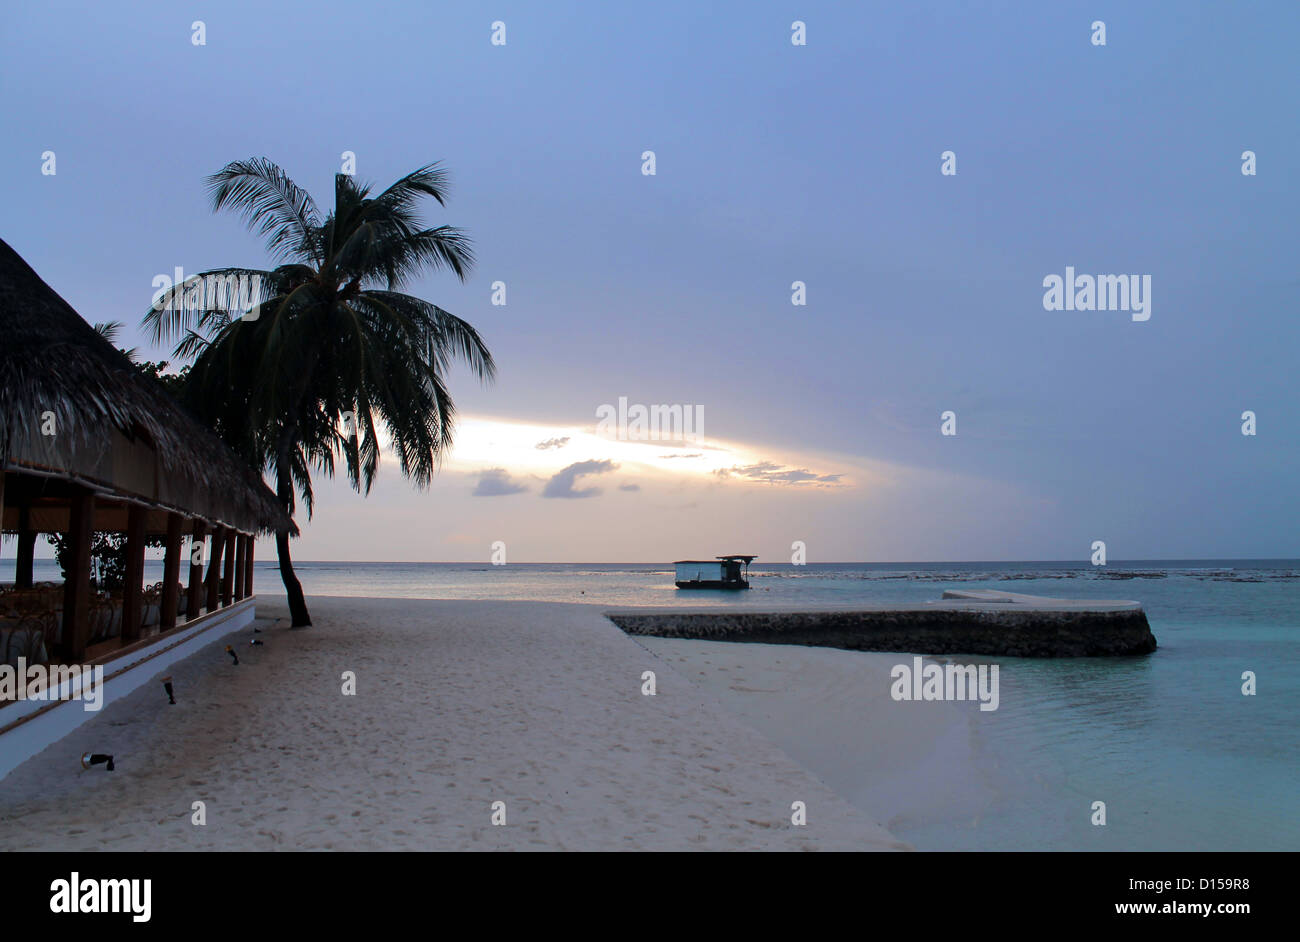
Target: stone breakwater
{"x":1005,"y":630}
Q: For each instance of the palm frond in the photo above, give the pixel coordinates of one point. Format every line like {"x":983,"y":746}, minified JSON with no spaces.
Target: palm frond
{"x":446,"y":336}
{"x":270,"y":202}
{"x":184,"y":307}
{"x":109,"y":330}
{"x":429,"y":180}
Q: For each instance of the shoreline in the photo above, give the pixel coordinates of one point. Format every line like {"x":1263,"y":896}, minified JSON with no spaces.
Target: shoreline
{"x":458,"y":705}
{"x":907,"y":764}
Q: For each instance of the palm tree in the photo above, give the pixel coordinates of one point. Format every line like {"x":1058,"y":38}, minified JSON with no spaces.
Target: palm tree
{"x":110,"y":331}
{"x":330,"y":350}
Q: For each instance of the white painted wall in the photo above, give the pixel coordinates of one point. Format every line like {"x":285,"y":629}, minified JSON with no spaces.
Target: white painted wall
{"x":122,"y":676}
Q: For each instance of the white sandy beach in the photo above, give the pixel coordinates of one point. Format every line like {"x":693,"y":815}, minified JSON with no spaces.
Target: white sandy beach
{"x":906,"y":763}
{"x":459,"y":705}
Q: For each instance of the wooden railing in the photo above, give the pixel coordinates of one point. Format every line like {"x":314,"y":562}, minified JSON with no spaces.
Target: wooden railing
{"x":31,"y":620}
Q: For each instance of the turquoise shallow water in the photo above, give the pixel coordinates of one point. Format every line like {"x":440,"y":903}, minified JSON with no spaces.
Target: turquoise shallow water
{"x":1182,"y":759}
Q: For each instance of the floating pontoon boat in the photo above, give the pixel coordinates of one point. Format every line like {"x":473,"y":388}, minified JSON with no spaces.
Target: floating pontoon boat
{"x":723,"y":572}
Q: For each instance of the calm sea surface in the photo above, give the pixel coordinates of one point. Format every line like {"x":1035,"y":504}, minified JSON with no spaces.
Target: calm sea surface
{"x":1182,"y":759}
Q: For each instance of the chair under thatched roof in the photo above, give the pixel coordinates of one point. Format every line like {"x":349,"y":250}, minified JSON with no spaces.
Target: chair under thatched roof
{"x":113,"y":427}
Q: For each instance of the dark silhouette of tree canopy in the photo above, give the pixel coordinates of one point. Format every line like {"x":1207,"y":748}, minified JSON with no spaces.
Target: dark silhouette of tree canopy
{"x":331,"y":351}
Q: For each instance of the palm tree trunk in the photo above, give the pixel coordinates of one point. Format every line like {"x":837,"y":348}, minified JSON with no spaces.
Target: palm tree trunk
{"x":292,"y":587}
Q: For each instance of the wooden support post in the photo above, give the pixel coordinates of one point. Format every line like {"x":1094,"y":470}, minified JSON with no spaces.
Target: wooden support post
{"x":171,"y":574}
{"x":228,"y":578}
{"x":133,"y":591}
{"x":248,"y":565}
{"x":26,"y":549}
{"x":214,"y":567}
{"x":194,"y":598}
{"x":241,"y":547}
{"x":76,"y":590}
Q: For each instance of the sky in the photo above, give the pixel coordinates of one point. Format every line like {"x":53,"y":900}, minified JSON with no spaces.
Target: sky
{"x":775,"y":163}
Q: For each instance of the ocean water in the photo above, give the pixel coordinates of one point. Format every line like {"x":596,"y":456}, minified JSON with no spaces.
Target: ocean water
{"x":1182,"y":760}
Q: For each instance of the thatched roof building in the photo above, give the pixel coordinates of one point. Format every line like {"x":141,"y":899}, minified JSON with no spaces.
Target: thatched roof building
{"x":75,"y":407}
{"x":90,"y":443}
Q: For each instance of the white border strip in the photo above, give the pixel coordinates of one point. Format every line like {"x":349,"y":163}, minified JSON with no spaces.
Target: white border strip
{"x":126,"y":673}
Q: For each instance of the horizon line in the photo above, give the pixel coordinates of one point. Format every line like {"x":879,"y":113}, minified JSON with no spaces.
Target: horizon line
{"x":271,"y":559}
{"x":829,"y":562}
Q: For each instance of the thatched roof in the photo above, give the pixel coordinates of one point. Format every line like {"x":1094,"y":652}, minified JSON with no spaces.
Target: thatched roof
{"x":113,"y":425}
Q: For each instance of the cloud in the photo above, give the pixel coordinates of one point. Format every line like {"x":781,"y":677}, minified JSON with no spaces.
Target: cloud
{"x":679,"y":455}
{"x":552,"y":443}
{"x":629,"y":487}
{"x":561,"y":484}
{"x":767,"y":472}
{"x":496,"y":482}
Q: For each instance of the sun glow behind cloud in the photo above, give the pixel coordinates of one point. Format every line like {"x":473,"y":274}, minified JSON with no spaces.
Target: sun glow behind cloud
{"x":532,"y":450}
{"x":651,"y":501}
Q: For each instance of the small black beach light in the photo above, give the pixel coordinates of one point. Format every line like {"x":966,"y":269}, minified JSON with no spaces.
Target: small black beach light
{"x":96,"y":758}
{"x":231,"y":652}
{"x":167,"y":685}
{"x":256,"y":643}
